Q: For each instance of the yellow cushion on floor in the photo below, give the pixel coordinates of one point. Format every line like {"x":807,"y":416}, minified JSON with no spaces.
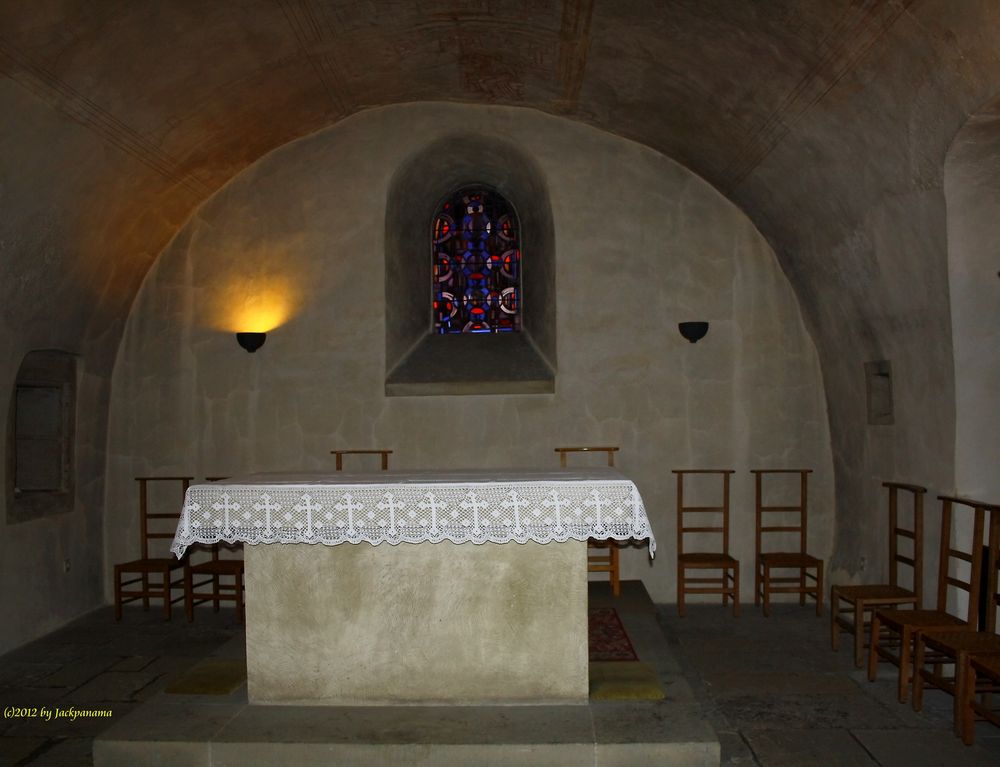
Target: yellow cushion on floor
{"x":617,"y":680}
{"x":211,"y":676}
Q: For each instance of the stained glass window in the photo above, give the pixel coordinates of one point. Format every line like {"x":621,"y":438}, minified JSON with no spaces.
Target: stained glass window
{"x":477,"y":264}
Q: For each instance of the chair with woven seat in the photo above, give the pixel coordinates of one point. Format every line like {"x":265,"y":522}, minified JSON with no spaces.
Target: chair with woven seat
{"x":897,"y":629}
{"x":862,"y":599}
{"x":727,"y":583}
{"x":937,"y":649}
{"x":223,"y":578}
{"x":809,"y":581}
{"x":602,"y":556}
{"x":339,"y":457}
{"x":154,"y":573}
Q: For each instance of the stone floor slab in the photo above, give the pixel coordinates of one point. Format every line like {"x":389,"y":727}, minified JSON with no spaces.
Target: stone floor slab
{"x":114,"y":686}
{"x":467,"y":725}
{"x":650,"y":723}
{"x":120,"y":753}
{"x":14,"y":749}
{"x":72,"y":752}
{"x":775,"y":683}
{"x":804,"y":712}
{"x":400,"y":755}
{"x":78,"y":673}
{"x":735,"y":751}
{"x":910,"y":748}
{"x":171,"y":718}
{"x":808,"y":748}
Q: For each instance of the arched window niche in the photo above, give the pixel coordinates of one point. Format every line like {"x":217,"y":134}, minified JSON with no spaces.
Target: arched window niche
{"x":422,"y":360}
{"x":41,"y":426}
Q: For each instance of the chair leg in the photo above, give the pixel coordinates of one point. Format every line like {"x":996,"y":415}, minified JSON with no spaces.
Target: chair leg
{"x":118,"y":593}
{"x":216,"y":590}
{"x":873,"y":638}
{"x":819,"y":589}
{"x":917,"y":684}
{"x":167,"y":595}
{"x":756,"y":583}
{"x":680,"y":591}
{"x":767,"y":591}
{"x":905,"y":660}
{"x":834,"y":629}
{"x":961,"y":680}
{"x":145,"y":591}
{"x":188,"y":594}
{"x":802,"y":587}
{"x":859,"y":631}
{"x":616,"y":588}
{"x":736,"y":592}
{"x":239,"y":598}
{"x":968,"y":716}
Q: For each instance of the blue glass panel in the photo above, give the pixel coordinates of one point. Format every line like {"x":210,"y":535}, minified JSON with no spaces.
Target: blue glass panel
{"x":477,"y":264}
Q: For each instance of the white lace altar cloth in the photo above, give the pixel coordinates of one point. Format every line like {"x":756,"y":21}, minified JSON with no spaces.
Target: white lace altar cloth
{"x":396,"y":507}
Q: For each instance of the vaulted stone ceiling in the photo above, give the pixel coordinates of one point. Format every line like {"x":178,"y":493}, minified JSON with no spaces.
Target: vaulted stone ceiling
{"x":827,"y":121}
{"x":191,"y":92}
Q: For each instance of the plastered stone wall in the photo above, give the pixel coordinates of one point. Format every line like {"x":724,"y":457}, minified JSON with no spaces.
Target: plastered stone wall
{"x":972,"y":192}
{"x":641,"y":244}
{"x":61,"y":288}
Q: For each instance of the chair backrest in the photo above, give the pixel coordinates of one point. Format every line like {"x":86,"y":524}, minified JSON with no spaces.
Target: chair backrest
{"x":993,"y":584}
{"x":339,"y":455}
{"x":915,"y":535}
{"x":685,"y":512}
{"x":949,"y":555}
{"x":149,"y":528}
{"x":565,"y":451}
{"x":799,"y":512}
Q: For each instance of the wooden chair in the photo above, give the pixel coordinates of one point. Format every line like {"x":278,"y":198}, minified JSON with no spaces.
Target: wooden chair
{"x":861,"y":600}
{"x":897,"y":629}
{"x":806,"y":583}
{"x":937,"y":648}
{"x":155,"y":573}
{"x":602,"y":556}
{"x":982,"y":675}
{"x":212,"y":573}
{"x":728,"y":582}
{"x":339,"y":454}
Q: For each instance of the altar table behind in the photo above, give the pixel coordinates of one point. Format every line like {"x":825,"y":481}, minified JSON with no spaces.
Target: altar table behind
{"x":441,"y":623}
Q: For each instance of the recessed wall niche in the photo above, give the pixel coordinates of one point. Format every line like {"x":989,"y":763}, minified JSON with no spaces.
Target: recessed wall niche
{"x":878,"y":380}
{"x":40,"y":435}
{"x":419,"y":361}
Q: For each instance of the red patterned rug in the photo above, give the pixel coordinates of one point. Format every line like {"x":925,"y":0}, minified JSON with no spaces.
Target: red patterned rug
{"x":608,"y":640}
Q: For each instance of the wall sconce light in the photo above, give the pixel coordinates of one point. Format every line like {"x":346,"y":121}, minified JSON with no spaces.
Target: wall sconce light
{"x":693,"y":331}
{"x":251,"y":341}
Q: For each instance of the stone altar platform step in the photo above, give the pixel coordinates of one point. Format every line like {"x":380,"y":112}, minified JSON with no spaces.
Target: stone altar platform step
{"x":224,"y":730}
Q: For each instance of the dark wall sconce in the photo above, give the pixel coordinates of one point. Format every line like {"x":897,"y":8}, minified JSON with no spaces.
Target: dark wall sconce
{"x":251,"y":341}
{"x":693,"y":331}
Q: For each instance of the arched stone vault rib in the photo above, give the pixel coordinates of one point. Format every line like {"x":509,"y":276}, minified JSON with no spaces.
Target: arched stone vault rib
{"x":312,"y":31}
{"x":19,"y":67}
{"x":846,"y":45}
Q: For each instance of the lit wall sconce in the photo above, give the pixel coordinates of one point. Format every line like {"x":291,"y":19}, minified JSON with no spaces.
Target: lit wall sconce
{"x":251,"y":341}
{"x":693,"y":331}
